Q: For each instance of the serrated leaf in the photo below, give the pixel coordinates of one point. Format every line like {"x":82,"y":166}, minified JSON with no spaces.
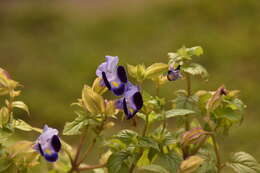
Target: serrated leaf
{"x":242,"y":162}
{"x":227,"y":113}
{"x":147,"y":142}
{"x":154,"y":168}
{"x":21,"y":105}
{"x":74,"y":127}
{"x":196,"y":70}
{"x":155,"y":69}
{"x":126,"y":136}
{"x":171,"y":161}
{"x":184,"y":54}
{"x":22,"y":125}
{"x":178,"y":112}
{"x":116,"y":162}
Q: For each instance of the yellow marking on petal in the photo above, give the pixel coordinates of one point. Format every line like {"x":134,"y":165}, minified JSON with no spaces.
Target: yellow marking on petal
{"x":131,"y":110}
{"x":115,"y":84}
{"x":48,"y":151}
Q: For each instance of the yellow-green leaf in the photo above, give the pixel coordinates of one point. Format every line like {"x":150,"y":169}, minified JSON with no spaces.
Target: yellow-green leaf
{"x":21,"y":105}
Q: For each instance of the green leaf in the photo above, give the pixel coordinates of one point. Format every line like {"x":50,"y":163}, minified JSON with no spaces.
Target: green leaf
{"x":147,"y":142}
{"x":197,"y":51}
{"x":137,"y":72}
{"x":116,"y":162}
{"x":22,"y":125}
{"x":184,"y":54}
{"x":155,"y":69}
{"x":126,"y":136}
{"x":74,"y":127}
{"x":178,"y":112}
{"x":144,"y":160}
{"x":154,"y":168}
{"x":195,"y":70}
{"x":242,"y":162}
{"x":21,"y":105}
{"x":132,"y":70}
{"x":207,"y":152}
{"x":4,"y":116}
{"x":170,"y":160}
{"x":228,"y":113}
{"x":93,"y":102}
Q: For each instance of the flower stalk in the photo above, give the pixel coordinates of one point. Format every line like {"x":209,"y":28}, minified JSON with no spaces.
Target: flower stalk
{"x":188,"y":84}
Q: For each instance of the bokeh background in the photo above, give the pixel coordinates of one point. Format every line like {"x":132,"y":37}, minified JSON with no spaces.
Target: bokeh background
{"x":54,"y":47}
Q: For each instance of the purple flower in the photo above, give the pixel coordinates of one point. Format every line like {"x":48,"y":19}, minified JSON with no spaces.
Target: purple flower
{"x":114,"y":77}
{"x":174,"y":74}
{"x":48,"y":144}
{"x":132,"y":101}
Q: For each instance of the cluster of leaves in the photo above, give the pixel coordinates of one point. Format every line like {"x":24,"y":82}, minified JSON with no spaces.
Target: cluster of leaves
{"x":19,"y":156}
{"x":190,"y":147}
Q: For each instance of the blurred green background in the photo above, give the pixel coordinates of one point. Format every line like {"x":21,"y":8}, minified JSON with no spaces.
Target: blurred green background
{"x":53,"y":48}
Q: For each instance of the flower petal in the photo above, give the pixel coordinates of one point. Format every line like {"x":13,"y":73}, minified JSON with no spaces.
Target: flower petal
{"x":39,"y":148}
{"x":112,"y":62}
{"x":51,"y":157}
{"x":125,"y":107}
{"x":106,"y":81}
{"x":121,"y":73}
{"x":118,"y":91}
{"x":138,"y":100}
{"x":55,"y":143}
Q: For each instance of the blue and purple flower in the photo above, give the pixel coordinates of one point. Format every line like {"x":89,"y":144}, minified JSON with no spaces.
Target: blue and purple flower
{"x":48,"y":144}
{"x":114,"y":76}
{"x":132,"y":101}
{"x":174,"y":74}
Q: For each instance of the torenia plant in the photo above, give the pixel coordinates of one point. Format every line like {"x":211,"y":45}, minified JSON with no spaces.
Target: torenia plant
{"x":151,"y":144}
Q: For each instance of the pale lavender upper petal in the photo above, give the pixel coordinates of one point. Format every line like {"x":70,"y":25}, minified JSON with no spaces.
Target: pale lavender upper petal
{"x":112,"y":62}
{"x":109,"y":67}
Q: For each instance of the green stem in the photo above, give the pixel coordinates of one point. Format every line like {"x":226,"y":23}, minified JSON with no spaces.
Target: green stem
{"x":91,"y":146}
{"x":131,"y":170}
{"x":69,"y":155}
{"x":188,"y":84}
{"x":82,"y":139}
{"x":146,"y":125}
{"x":219,"y":165}
{"x":10,"y":105}
{"x":164,"y":122}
